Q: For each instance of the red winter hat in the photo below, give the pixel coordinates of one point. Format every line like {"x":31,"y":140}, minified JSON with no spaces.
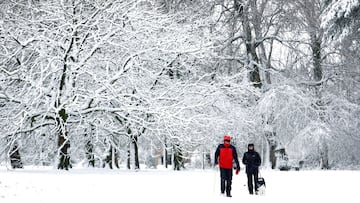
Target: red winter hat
{"x":227,"y":138}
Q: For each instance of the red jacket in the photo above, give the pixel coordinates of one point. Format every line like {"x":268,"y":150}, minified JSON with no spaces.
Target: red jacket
{"x":225,"y":155}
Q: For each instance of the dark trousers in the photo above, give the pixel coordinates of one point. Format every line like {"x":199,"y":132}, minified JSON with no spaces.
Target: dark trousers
{"x":226,"y":178}
{"x":250,"y":176}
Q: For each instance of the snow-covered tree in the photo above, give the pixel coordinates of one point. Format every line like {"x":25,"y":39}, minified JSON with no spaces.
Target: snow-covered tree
{"x":116,"y":68}
{"x":103,"y":83}
{"x":341,"y":18}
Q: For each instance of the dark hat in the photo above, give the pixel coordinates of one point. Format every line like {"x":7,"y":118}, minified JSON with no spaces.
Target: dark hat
{"x":250,"y":145}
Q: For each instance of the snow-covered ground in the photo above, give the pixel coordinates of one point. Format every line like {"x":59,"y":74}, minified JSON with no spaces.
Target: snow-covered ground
{"x":102,"y":185}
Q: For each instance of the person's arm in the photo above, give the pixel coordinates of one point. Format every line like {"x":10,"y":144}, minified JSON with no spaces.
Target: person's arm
{"x":244,"y":159}
{"x":258,"y":160}
{"x":217,"y":152}
{"x":235,"y":156}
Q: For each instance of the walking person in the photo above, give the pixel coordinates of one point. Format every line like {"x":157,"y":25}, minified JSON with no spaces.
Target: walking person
{"x":252,"y":161}
{"x":224,"y":156}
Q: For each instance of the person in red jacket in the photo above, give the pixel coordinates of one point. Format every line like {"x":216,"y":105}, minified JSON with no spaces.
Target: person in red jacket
{"x":224,"y":156}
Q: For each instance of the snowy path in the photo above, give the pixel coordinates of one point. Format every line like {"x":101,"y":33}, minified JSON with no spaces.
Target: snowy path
{"x":85,"y":185}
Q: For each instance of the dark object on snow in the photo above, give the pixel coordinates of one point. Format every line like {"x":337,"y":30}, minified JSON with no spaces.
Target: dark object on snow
{"x":224,"y":156}
{"x":252,"y":161}
{"x":261,"y":182}
{"x":261,"y":186}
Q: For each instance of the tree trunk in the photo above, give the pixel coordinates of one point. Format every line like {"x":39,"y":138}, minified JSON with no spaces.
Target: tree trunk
{"x":254,"y":73}
{"x":89,"y":151}
{"x":128,"y":163}
{"x":324,"y":155}
{"x":89,"y":148}
{"x":316,"y":48}
{"x":272,"y":156}
{"x":316,"y":57}
{"x":15,"y":158}
{"x":133,"y":141}
{"x":178,"y":159}
{"x":112,"y":158}
{"x":115,"y":157}
{"x":64,"y":162}
{"x":63,"y":142}
{"x":271,"y":139}
{"x":165,"y":154}
{"x":136,"y":152}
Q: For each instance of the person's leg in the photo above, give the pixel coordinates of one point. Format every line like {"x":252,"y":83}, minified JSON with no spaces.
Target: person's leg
{"x":228,"y":182}
{"x":228,"y":188}
{"x":256,"y":176}
{"x":250,"y":183}
{"x":222,"y":187}
{"x":222,"y":180}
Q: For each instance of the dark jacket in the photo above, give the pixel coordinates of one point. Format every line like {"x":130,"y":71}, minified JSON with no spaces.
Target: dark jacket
{"x":224,"y":156}
{"x":252,"y":161}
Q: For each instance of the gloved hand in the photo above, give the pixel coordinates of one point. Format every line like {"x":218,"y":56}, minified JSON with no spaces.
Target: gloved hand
{"x":237,"y":171}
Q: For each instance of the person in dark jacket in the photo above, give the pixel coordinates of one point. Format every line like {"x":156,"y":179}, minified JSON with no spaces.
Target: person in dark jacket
{"x":252,"y":161}
{"x":224,"y":156}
